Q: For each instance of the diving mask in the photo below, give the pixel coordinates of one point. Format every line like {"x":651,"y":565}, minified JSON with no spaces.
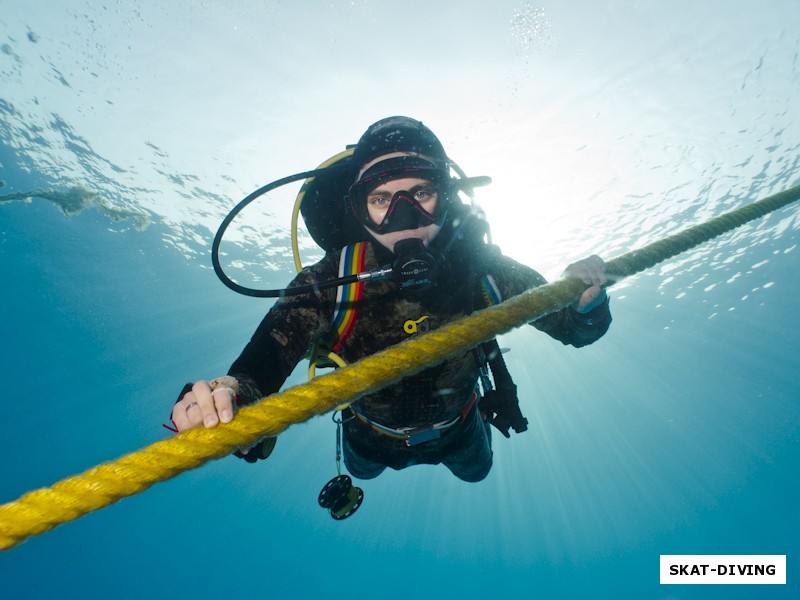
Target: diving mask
{"x":404,"y":211}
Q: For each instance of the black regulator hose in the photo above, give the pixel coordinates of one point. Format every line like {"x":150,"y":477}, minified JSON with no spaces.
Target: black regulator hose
{"x":277,"y":293}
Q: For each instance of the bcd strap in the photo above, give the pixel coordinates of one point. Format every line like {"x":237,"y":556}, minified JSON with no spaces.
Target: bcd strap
{"x":501,"y":404}
{"x":348,"y":297}
{"x":324,"y":351}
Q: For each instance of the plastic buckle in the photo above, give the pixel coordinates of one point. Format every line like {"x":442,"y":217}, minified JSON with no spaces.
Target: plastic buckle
{"x":420,"y":436}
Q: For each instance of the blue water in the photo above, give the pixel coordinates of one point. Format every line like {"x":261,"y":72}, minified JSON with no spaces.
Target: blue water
{"x":605,"y":125}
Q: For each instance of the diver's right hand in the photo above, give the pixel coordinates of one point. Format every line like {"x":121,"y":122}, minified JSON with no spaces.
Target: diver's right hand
{"x":208,"y":403}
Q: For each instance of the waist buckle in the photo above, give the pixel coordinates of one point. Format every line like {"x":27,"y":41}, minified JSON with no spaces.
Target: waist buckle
{"x":414,"y":436}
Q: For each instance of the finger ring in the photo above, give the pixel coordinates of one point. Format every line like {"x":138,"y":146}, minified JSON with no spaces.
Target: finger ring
{"x":190,"y":405}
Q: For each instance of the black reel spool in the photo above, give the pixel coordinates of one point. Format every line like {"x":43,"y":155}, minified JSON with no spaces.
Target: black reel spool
{"x":341,"y":497}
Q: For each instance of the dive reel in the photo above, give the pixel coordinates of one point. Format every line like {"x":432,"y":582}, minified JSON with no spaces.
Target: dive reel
{"x":341,"y":497}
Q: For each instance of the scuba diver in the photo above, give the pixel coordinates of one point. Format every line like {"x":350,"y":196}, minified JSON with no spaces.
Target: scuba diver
{"x":392,"y":207}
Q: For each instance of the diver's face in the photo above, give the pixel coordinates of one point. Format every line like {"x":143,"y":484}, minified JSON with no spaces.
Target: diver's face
{"x":415,"y":202}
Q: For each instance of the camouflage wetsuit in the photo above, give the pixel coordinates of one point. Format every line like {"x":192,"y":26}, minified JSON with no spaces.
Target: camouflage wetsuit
{"x":433,"y":396}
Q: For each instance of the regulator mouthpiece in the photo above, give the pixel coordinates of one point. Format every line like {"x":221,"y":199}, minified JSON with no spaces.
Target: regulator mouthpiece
{"x":415,"y":267}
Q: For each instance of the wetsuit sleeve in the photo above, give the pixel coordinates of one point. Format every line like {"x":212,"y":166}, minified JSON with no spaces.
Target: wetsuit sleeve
{"x":285,"y":333}
{"x":566,"y":325}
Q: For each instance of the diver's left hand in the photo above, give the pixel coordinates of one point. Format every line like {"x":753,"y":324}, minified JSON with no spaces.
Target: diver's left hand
{"x":592,"y":272}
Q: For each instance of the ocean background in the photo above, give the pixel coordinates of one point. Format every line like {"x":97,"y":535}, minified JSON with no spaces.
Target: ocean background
{"x":129,"y":129}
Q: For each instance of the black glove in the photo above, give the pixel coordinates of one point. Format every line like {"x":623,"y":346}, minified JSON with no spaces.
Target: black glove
{"x":501,"y":407}
{"x":260,"y":451}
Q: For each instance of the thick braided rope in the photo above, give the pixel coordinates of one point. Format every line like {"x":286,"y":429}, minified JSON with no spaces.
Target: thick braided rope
{"x":659,"y":251}
{"x":41,"y":510}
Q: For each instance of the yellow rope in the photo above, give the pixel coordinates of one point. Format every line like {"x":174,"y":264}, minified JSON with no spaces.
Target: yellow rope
{"x":41,"y":510}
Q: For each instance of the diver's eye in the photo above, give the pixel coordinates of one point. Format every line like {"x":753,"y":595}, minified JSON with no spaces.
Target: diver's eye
{"x":378,"y":200}
{"x":423,"y":194}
